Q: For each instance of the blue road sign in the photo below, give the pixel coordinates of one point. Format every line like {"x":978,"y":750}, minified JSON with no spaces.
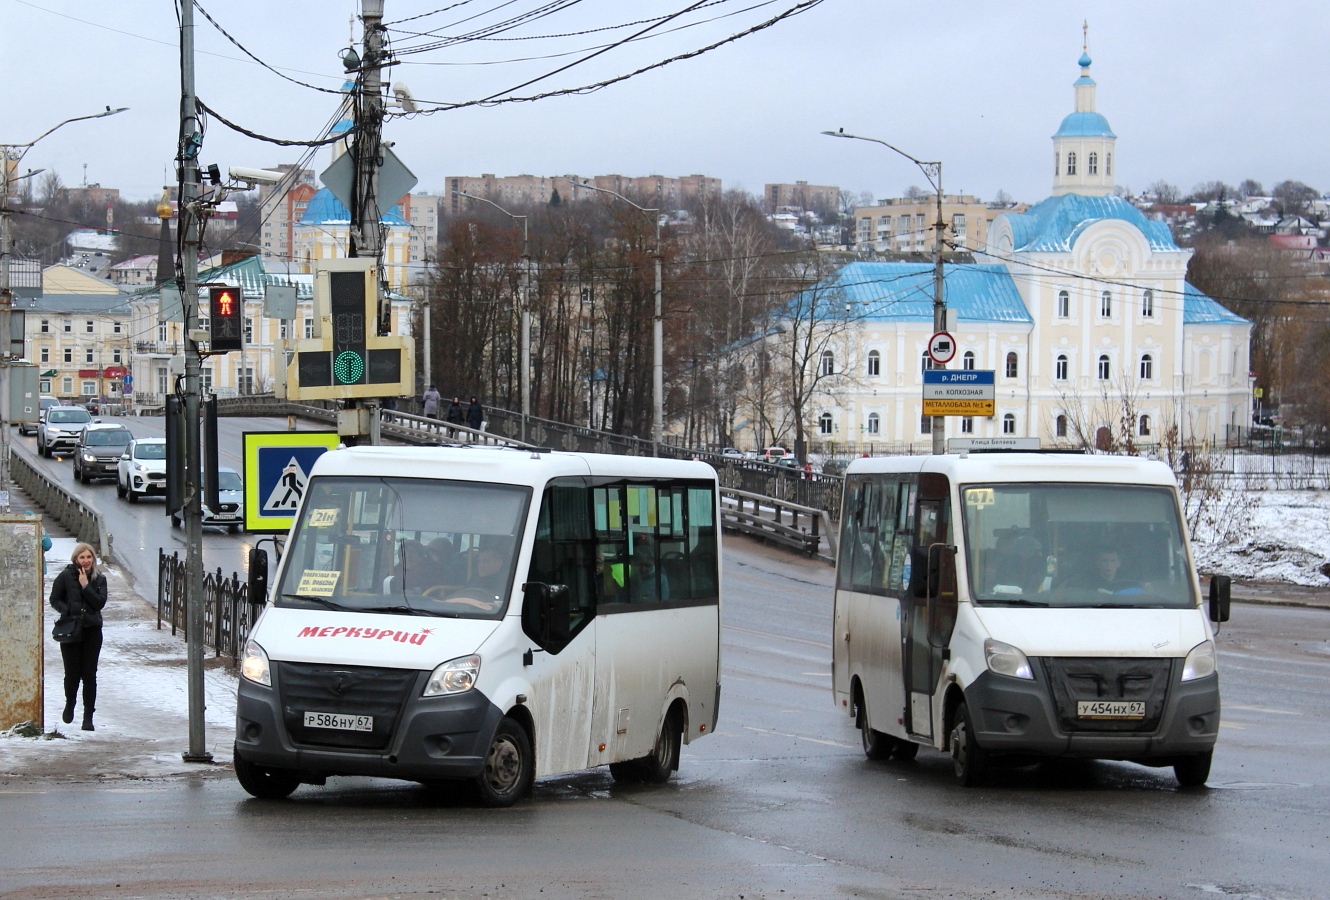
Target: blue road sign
{"x":958,"y":376}
{"x":128,"y":379}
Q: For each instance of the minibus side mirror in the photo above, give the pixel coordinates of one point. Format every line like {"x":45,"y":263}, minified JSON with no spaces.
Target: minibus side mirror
{"x":258,"y":576}
{"x":545,"y":614}
{"x":1221,"y":587}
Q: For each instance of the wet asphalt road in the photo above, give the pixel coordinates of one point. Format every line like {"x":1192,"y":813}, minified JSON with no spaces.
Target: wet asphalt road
{"x":778,"y":803}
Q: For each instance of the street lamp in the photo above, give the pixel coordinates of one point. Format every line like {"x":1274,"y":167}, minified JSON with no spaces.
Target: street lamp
{"x":933,"y":172}
{"x":526,"y":307}
{"x":10,"y":157}
{"x":657,"y":328}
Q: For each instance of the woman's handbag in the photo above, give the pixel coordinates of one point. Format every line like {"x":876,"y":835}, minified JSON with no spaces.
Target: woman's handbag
{"x":68,"y":631}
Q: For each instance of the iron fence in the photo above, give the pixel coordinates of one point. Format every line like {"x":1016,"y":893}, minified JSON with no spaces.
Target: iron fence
{"x":228,"y":615}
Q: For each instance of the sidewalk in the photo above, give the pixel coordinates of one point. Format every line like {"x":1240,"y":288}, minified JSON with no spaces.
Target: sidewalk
{"x":142,"y":719}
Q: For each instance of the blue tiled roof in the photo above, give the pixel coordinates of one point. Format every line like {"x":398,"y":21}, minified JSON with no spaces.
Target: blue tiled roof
{"x":1052,"y":225}
{"x":903,"y":291}
{"x":1200,"y":309}
{"x":325,"y":209}
{"x":1084,"y":124}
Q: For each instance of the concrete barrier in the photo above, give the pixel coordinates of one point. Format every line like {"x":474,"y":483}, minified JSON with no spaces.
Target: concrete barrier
{"x":78,"y":517}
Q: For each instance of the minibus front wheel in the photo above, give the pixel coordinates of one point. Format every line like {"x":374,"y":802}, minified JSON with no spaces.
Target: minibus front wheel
{"x":969,"y":759}
{"x":510,"y":766}
{"x":1192,"y":771}
{"x":264,"y":782}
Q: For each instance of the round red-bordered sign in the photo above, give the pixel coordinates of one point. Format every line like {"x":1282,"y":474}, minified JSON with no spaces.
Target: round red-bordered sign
{"x":942,"y":348}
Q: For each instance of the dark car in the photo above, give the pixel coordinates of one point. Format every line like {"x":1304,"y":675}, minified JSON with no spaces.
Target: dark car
{"x":98,"y":452}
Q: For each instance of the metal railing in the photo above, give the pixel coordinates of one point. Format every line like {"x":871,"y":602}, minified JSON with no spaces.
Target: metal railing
{"x":766,"y":521}
{"x":228,"y":615}
{"x":81,"y":520}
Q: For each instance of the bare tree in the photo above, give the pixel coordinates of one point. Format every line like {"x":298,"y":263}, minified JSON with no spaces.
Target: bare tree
{"x":1250,"y":187}
{"x":1293,"y":197}
{"x":1165,"y":193}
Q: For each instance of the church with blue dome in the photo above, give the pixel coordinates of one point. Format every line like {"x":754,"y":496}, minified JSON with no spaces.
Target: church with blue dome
{"x":1080,"y":306}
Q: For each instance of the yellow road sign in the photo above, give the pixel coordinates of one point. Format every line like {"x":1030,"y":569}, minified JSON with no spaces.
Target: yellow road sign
{"x":277,"y":467}
{"x":966,"y":407}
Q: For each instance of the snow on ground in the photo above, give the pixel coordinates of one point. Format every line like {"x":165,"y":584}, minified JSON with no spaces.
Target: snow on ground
{"x":141,"y":719}
{"x":1279,"y":536}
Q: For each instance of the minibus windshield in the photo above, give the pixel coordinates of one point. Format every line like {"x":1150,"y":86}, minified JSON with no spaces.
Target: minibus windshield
{"x":406,"y":546}
{"x":1075,"y":545}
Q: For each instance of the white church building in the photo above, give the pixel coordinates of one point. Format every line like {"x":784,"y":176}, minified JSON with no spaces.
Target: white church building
{"x":1080,"y":306}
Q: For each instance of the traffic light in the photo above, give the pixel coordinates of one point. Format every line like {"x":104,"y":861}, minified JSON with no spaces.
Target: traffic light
{"x":346,"y":308}
{"x":226,"y":311}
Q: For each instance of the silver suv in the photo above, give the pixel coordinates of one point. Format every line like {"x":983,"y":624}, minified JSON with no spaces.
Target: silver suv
{"x":60,"y":429}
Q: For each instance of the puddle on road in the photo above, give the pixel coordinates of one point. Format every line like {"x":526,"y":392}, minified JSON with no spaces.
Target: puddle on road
{"x":1255,"y":785}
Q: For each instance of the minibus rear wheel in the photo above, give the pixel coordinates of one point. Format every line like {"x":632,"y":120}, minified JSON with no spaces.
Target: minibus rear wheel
{"x":1192,"y":771}
{"x":663,"y":760}
{"x":876,"y":744}
{"x":265,"y":782}
{"x":969,"y":759}
{"x":509,"y":766}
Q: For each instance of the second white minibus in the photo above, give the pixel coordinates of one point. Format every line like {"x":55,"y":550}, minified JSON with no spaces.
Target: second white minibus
{"x":1025,"y":606}
{"x":486,"y":615}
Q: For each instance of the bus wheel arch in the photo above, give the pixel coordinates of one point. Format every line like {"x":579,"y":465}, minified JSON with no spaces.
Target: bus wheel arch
{"x":951,"y":701}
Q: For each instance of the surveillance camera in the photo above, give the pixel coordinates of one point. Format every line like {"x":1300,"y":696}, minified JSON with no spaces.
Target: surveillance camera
{"x":402,"y":94}
{"x":255,"y":176}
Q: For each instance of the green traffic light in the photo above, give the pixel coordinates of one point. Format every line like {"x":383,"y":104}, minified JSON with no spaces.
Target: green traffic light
{"x":349,"y":367}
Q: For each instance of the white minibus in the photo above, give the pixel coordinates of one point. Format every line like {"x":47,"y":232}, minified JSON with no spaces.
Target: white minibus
{"x":1024,"y":606}
{"x":486,"y":615}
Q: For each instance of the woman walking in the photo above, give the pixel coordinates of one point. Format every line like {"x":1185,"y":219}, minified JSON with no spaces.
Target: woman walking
{"x":79,"y":593}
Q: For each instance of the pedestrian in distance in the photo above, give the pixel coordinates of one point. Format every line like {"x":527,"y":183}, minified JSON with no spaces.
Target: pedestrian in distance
{"x":79,"y":595}
{"x":455,"y":415}
{"x":475,"y":415}
{"x":431,"y":399}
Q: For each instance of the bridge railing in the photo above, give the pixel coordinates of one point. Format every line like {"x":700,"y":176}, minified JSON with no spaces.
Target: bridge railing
{"x":765,"y":518}
{"x":228,"y":615}
{"x":79,"y":518}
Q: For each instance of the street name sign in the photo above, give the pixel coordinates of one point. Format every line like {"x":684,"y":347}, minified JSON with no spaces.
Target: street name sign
{"x":956,"y":445}
{"x":959,"y":392}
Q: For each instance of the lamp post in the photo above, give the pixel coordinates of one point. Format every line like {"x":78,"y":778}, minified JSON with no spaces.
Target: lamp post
{"x":657,"y":328}
{"x":933,"y":172}
{"x":526,"y":306}
{"x":10,"y":157}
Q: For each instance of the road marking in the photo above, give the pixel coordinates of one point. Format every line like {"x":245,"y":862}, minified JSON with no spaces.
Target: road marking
{"x":800,"y":737}
{"x":820,"y":674}
{"x":1262,"y":709}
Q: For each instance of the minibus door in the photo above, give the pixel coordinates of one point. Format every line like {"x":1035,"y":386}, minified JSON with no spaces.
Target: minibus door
{"x":929,"y":603}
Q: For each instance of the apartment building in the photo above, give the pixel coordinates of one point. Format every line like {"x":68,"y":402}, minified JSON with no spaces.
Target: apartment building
{"x":281,"y":206}
{"x":800,"y":195}
{"x":904,"y":225}
{"x":517,"y":191}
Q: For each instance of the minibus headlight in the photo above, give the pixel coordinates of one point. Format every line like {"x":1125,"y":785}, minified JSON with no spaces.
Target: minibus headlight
{"x":453,"y":677}
{"x":1004,"y":659}
{"x":255,"y":667}
{"x":1200,"y":661}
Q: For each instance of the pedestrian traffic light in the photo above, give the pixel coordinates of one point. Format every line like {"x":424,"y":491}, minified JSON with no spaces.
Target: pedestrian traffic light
{"x":226,"y":310}
{"x":346,"y":308}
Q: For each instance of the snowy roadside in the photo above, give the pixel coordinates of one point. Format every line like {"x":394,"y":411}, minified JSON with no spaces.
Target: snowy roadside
{"x":141,"y":719}
{"x":1283,"y":536}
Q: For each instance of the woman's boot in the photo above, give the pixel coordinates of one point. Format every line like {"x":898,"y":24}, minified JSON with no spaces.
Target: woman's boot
{"x":87,"y":720}
{"x":68,"y":715}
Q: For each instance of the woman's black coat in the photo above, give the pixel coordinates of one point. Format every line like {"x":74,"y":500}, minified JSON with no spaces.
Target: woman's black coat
{"x":68,"y":597}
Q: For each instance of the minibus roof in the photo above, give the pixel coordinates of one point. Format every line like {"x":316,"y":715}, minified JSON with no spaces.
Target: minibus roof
{"x":989,"y":468}
{"x":500,"y":465}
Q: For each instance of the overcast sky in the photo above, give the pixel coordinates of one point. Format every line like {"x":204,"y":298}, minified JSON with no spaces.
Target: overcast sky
{"x":1194,"y":90}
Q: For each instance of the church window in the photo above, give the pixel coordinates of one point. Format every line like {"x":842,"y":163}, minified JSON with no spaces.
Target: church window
{"x":1103,"y":367}
{"x":925,"y":424}
{"x":927,"y":361}
{"x":1092,"y":164}
{"x":1108,"y":163}
{"x":1145,"y":426}
{"x":1060,"y":427}
{"x":824,"y":423}
{"x":1106,"y":305}
{"x":1061,"y":368}
{"x":1013,"y":365}
{"x":874,"y":423}
{"x":874,"y":362}
{"x":1148,"y":304}
{"x":1147,"y":367}
{"x":967,"y":361}
{"x":1009,"y":424}
{"x":967,"y":425}
{"x":1064,"y":305}
{"x":828,"y":366}
{"x":1071,"y":163}
{"x":1057,"y":164}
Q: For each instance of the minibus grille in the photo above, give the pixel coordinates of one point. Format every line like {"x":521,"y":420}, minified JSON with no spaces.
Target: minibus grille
{"x":1074,"y":679}
{"x":347,"y":690}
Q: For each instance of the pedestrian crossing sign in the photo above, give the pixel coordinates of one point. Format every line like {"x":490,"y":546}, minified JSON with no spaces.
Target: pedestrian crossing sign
{"x":277,"y":470}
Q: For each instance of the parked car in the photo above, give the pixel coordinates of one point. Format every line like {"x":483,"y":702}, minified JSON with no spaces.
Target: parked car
{"x":43,"y":404}
{"x":732,"y":453}
{"x":141,"y":469}
{"x":97,"y":453}
{"x":771,"y":454}
{"x":60,"y":429}
{"x":230,"y":503}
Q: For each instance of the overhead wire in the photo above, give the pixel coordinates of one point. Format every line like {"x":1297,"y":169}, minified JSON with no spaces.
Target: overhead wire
{"x":245,"y":50}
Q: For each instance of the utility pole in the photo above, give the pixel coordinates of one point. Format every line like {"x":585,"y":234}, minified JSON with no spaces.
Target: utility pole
{"x":187,"y":162}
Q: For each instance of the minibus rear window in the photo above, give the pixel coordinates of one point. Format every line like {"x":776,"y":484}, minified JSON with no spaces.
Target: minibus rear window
{"x":1075,"y":545}
{"x":407,"y":546}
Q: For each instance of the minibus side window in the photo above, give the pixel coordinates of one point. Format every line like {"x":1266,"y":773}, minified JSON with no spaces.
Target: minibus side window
{"x":564,"y":551}
{"x":655,"y":545}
